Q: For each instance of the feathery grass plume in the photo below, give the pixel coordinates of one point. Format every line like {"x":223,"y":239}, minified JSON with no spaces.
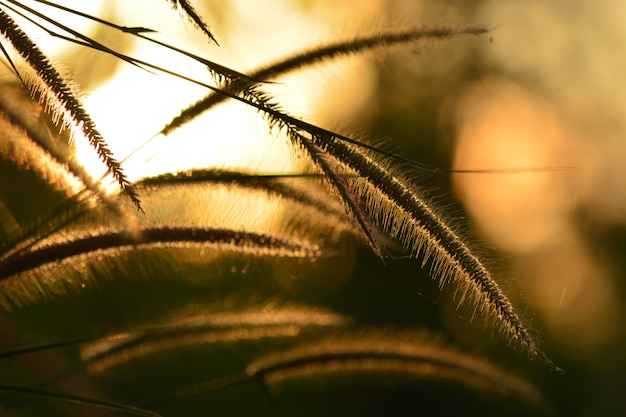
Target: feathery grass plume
{"x":28,"y":144}
{"x":378,"y":357}
{"x":280,"y":184}
{"x":269,"y":321}
{"x":215,"y":197}
{"x":24,"y":147}
{"x":339,"y":184}
{"x":26,"y":276}
{"x":398,"y":208}
{"x":91,"y":402}
{"x":284,"y":185}
{"x":322,"y":54}
{"x":194,"y":17}
{"x":59,"y":97}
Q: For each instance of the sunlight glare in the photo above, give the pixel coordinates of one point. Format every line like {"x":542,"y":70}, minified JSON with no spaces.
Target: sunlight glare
{"x":134,"y":105}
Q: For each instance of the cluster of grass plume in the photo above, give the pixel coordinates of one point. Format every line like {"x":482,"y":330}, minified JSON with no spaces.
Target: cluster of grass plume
{"x":93,"y":234}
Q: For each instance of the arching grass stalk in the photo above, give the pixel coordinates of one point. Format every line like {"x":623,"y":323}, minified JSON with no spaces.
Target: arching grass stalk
{"x":253,"y":242}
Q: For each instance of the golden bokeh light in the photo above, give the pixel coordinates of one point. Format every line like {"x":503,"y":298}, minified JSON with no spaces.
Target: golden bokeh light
{"x":563,"y":111}
{"x":502,"y":127}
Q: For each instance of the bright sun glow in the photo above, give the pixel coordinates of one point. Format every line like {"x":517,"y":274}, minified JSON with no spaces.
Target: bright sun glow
{"x":134,"y":105}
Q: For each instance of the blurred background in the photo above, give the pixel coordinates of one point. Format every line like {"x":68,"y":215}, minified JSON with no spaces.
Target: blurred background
{"x":538,"y":104}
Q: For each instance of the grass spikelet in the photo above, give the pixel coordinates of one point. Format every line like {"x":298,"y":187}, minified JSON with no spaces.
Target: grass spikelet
{"x":357,"y":45}
{"x":268,"y":321}
{"x":59,"y":97}
{"x":399,"y":209}
{"x":252,"y":243}
{"x":287,"y":186}
{"x":384,"y":358}
{"x":339,"y":184}
{"x":194,"y":17}
{"x":322,"y":54}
